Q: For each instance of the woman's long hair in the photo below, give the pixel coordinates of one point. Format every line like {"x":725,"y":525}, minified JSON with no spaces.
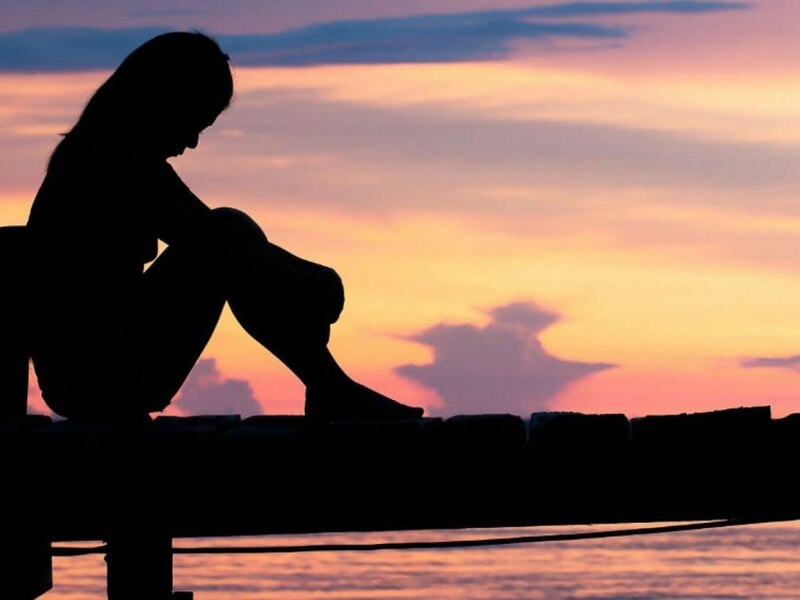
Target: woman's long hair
{"x":174,"y":76}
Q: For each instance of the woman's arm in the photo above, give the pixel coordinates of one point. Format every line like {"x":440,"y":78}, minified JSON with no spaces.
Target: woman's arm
{"x":182,"y":218}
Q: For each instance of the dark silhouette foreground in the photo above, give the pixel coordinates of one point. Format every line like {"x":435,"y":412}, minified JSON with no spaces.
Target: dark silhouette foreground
{"x":141,"y":486}
{"x":111,"y":341}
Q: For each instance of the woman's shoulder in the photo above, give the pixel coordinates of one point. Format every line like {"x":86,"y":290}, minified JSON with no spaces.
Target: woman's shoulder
{"x":102,"y":165}
{"x":76,"y":150}
{"x":77,"y":160}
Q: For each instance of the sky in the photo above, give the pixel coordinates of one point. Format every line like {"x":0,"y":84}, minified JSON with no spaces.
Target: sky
{"x":541,"y":205}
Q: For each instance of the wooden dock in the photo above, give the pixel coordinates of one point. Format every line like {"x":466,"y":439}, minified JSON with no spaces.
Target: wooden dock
{"x":140,"y":487}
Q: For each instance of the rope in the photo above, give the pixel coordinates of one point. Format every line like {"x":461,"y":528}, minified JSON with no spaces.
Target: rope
{"x":472,"y":543}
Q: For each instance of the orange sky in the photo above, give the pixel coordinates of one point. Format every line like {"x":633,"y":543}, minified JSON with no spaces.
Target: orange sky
{"x":645,"y":194}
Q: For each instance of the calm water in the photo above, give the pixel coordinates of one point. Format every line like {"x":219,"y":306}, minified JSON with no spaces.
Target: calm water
{"x":754,"y":562}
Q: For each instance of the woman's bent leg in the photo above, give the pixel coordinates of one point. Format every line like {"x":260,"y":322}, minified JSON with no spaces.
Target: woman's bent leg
{"x":184,"y":297}
{"x":287,"y":317}
{"x":128,"y":359}
{"x":144,"y":349}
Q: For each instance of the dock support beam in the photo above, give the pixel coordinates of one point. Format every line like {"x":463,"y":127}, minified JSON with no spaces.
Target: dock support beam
{"x":140,"y":566}
{"x":26,"y":566}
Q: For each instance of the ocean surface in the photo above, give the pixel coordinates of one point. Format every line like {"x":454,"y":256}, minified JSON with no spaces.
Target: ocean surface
{"x":753,"y":562}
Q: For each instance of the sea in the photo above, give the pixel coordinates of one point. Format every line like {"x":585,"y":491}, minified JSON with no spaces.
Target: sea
{"x":744,"y":562}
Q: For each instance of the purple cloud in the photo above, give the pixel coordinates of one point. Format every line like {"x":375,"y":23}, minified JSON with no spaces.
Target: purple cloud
{"x":205,"y":392}
{"x":424,"y":38}
{"x":787,"y":362}
{"x":501,"y":367}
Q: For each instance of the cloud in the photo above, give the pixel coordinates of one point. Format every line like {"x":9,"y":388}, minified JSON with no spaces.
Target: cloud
{"x":431,"y":154}
{"x":69,"y":48}
{"x":467,"y":36}
{"x":206,"y":392}
{"x":589,"y":9}
{"x":501,"y":367}
{"x":162,"y":12}
{"x":787,"y":362}
{"x":414,"y":39}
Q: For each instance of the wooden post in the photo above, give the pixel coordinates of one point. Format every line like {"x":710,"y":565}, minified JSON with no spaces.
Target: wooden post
{"x":26,"y":566}
{"x":13,"y":308}
{"x":13,"y":377}
{"x":140,"y":566}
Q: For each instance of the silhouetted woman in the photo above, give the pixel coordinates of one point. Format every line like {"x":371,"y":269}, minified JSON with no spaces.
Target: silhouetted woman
{"x":113,"y":341}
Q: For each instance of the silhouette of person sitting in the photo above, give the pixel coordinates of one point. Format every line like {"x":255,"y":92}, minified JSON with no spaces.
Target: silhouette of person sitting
{"x":113,"y":341}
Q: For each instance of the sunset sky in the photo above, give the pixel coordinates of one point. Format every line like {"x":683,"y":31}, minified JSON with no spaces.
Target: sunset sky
{"x":534,"y":205}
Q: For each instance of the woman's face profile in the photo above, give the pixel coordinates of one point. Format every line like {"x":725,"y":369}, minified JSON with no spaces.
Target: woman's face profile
{"x":182,"y":133}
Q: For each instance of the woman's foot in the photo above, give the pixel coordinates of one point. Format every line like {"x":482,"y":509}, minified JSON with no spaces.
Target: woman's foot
{"x":355,"y":402}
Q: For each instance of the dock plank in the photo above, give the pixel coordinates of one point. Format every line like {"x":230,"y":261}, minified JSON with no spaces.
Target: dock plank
{"x":220,"y":475}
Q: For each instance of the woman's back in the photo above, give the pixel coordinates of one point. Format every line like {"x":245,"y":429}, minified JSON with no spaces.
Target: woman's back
{"x":91,"y":225}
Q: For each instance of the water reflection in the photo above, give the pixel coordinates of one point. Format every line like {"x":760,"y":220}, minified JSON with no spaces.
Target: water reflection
{"x":753,"y":562}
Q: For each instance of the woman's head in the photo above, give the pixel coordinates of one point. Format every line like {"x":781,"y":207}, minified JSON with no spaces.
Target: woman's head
{"x":162,"y":95}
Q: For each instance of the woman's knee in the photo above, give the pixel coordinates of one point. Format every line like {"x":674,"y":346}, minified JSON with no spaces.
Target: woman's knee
{"x":234,"y":224}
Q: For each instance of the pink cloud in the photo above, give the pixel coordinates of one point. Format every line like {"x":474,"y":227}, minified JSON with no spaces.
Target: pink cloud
{"x":207,"y":392}
{"x":502,"y":367}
